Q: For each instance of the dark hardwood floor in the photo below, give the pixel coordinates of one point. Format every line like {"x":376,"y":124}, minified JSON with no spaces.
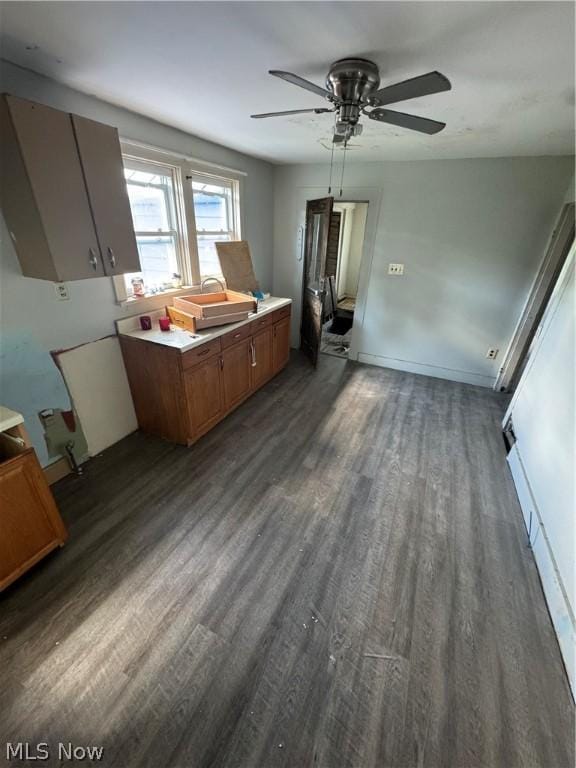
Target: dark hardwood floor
{"x":336,"y":576}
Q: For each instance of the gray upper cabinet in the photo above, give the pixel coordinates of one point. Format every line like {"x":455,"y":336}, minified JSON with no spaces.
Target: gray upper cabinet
{"x":68,"y":219}
{"x":99,"y":149}
{"x":44,"y":197}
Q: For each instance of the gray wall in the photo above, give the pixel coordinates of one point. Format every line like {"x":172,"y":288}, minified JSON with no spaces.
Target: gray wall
{"x":470,"y":233}
{"x":33,"y":321}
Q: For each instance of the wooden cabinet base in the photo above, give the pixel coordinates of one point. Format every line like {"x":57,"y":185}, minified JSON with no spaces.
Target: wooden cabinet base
{"x":181,"y":396}
{"x":30,"y":524}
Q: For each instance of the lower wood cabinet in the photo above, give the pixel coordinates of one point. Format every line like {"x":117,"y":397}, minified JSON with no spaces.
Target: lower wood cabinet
{"x":236,"y":367}
{"x":262,"y":370}
{"x":281,"y":344}
{"x":181,"y":396}
{"x":30,"y":524}
{"x":204,"y":396}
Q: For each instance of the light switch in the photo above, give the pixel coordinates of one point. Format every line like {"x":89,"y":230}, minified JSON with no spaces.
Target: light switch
{"x":395,"y":269}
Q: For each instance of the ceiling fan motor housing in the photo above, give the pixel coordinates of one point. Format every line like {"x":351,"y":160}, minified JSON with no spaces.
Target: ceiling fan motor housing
{"x":353,"y":80}
{"x":353,"y":84}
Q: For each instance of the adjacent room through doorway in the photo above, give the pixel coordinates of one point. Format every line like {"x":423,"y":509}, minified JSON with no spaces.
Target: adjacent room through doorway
{"x":343,"y":258}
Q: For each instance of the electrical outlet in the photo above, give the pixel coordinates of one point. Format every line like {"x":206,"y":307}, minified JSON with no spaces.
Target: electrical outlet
{"x":62,"y":291}
{"x":491,"y":354}
{"x":395,"y":269}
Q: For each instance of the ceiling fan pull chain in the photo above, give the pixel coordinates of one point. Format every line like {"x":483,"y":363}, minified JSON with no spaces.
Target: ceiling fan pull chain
{"x":343,"y":165}
{"x":332,"y":158}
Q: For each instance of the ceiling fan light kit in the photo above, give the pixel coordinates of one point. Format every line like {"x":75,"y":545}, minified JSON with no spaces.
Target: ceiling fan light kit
{"x":353,"y":89}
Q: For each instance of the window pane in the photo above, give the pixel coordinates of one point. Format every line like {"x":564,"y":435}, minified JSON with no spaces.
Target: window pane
{"x":151,"y":200}
{"x":158,"y":260}
{"x":207,"y":255}
{"x":212,"y":207}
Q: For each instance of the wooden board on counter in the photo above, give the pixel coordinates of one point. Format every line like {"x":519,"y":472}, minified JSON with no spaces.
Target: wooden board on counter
{"x":236,"y":265}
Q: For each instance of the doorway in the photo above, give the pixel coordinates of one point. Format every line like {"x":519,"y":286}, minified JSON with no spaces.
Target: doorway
{"x":342,"y":272}
{"x":530,"y":322}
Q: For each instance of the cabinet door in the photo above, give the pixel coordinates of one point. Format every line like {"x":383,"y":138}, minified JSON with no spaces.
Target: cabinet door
{"x":236,"y":373}
{"x":281,"y":344}
{"x":262,"y":354}
{"x":30,"y":525}
{"x":44,"y":195}
{"x":101,"y":160}
{"x":204,"y":395}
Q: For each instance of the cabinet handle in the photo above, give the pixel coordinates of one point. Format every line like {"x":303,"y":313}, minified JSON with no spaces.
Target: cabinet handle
{"x":253,"y":353}
{"x":237,"y":335}
{"x":221,"y":363}
{"x":111,"y":257}
{"x":204,"y":352}
{"x":92,"y":258}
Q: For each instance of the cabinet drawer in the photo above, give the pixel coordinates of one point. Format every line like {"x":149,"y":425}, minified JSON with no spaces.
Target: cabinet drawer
{"x":235,"y":336}
{"x":279,"y":314}
{"x":261,"y":322}
{"x":199,"y":354}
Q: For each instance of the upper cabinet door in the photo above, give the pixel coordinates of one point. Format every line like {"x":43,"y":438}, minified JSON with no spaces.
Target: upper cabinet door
{"x":44,"y":197}
{"x":101,"y":159}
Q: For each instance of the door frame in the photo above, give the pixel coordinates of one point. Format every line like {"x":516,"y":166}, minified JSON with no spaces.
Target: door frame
{"x":372,"y":196}
{"x":343,"y":224}
{"x":315,"y":207}
{"x":566,"y":274}
{"x":559,"y":247}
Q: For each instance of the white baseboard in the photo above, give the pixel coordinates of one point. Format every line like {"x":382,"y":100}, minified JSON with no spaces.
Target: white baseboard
{"x":554,"y":592}
{"x":438,"y":372}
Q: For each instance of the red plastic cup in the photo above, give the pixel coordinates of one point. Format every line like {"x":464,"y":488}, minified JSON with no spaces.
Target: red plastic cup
{"x":164,"y":323}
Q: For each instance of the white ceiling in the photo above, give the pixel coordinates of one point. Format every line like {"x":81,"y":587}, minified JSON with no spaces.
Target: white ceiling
{"x":202,"y":67}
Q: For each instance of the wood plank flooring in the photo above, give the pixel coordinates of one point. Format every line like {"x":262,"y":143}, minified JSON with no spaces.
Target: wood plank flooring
{"x":336,"y":576}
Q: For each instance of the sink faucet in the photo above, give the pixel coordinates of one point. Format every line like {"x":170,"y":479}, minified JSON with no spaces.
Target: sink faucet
{"x":207,"y":279}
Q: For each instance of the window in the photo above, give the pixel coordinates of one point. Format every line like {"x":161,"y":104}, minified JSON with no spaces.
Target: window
{"x":178,"y":214}
{"x":214,"y":213}
{"x":152,"y":194}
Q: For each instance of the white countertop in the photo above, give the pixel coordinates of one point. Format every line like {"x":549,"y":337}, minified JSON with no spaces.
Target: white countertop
{"x":177,"y":338}
{"x":9,"y":418}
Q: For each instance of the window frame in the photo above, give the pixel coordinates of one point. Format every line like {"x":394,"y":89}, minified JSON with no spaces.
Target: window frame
{"x":183,"y":170}
{"x":236,"y":212}
{"x":180,"y":230}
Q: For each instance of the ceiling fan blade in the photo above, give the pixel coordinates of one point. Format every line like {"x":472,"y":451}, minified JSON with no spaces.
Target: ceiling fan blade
{"x":423,"y":85}
{"x":297,"y":80}
{"x":317,"y":111}
{"x":401,"y":119}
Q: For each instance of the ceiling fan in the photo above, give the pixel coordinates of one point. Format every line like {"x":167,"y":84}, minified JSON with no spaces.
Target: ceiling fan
{"x":352,"y":87}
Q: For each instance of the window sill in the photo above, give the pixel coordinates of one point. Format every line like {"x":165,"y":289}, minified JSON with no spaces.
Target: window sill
{"x":150,"y":299}
{"x":159,"y":300}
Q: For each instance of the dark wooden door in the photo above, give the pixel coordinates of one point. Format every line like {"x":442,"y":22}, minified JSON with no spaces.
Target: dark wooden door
{"x":333,"y":244}
{"x":318,"y":214}
{"x":261,"y":357}
{"x":236,"y":373}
